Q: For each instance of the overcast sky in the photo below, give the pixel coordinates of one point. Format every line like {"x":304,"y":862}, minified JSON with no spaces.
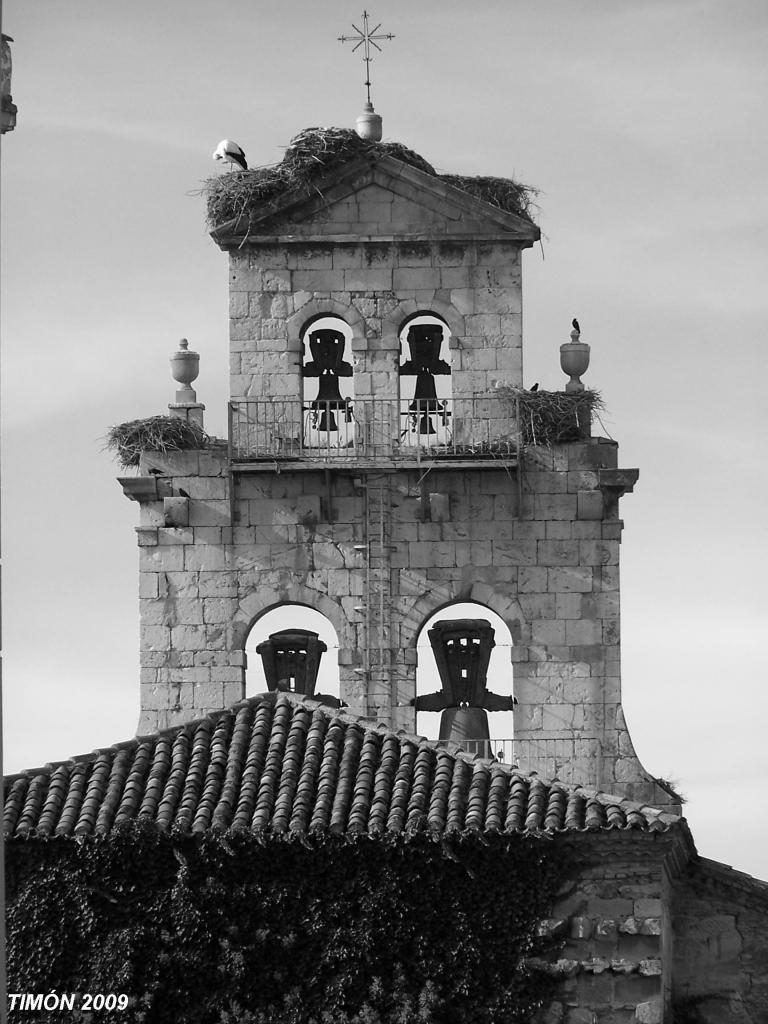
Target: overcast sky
{"x":643,"y":122}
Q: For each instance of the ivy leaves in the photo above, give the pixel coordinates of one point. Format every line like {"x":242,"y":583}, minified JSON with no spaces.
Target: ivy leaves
{"x":225,"y":928}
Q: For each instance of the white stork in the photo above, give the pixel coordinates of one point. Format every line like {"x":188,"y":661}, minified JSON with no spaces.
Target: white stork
{"x":231,"y":153}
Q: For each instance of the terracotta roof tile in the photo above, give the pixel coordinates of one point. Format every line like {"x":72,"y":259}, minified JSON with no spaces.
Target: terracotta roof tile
{"x":274,"y":763}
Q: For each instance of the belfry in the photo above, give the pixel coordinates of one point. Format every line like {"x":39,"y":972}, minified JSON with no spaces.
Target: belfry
{"x":384,"y":461}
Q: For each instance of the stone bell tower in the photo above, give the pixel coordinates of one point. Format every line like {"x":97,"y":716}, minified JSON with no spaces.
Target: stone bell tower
{"x":376,"y":468}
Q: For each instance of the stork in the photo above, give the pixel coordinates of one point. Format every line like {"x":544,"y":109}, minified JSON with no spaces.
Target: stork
{"x":231,"y":153}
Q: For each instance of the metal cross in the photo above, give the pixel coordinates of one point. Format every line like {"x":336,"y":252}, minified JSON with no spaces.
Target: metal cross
{"x":366,"y":37}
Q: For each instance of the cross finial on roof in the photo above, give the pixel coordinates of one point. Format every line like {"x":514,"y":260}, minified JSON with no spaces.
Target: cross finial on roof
{"x":366,"y":37}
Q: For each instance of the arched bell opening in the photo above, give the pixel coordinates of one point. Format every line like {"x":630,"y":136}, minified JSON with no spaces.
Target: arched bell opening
{"x":293,"y":649}
{"x":464,"y":683}
{"x":327,"y":384}
{"x":426,"y":396}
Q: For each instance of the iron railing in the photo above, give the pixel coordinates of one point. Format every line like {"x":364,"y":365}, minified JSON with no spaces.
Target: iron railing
{"x":372,"y":428}
{"x":577,"y":759}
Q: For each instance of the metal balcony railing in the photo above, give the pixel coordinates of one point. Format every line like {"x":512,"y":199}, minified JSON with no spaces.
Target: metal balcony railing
{"x":372,"y":428}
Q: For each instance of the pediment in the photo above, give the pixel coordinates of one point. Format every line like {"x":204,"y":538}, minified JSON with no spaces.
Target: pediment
{"x":378,"y":197}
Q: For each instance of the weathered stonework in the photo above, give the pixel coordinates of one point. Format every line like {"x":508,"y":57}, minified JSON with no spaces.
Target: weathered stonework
{"x":378,"y":544}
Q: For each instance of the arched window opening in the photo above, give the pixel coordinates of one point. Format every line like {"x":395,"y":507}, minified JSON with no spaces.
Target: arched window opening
{"x":328,"y":384}
{"x":464,"y":679}
{"x":293,"y":649}
{"x":425,"y":382}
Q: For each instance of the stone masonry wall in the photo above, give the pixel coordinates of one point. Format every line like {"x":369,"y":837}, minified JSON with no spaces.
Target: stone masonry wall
{"x":721,"y":946}
{"x":545,"y":558}
{"x":276,"y":292}
{"x":614,"y":960}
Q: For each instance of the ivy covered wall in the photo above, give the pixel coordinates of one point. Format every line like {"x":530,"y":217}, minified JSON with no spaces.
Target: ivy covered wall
{"x":227,"y":927}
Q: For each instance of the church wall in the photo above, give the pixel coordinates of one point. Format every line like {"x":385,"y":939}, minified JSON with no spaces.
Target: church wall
{"x":541,"y":556}
{"x":613,"y":961}
{"x":721,"y":945}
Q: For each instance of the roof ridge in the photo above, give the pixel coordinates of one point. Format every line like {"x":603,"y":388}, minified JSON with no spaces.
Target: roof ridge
{"x":656,"y":817}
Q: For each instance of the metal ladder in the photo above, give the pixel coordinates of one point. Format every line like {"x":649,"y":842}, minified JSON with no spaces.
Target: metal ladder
{"x":378,"y":586}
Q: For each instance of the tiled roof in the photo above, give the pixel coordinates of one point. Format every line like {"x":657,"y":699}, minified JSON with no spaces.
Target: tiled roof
{"x":273,"y":763}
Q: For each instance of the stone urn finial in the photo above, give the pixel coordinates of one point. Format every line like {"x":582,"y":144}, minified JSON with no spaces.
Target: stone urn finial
{"x":574,"y":359}
{"x":185,"y":366}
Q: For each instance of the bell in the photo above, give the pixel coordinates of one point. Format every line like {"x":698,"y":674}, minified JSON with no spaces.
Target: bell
{"x":291,"y":660}
{"x":462,"y":649}
{"x":328,"y":399}
{"x":327,"y":420}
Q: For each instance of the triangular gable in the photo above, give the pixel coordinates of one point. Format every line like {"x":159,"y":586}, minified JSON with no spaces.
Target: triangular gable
{"x":379,"y":197}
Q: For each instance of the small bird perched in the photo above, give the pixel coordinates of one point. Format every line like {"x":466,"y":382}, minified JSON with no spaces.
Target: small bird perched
{"x":231,"y":153}
{"x":575,"y":324}
{"x":535,"y":386}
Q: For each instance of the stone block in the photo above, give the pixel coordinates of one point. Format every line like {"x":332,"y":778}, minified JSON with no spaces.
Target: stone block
{"x":576,"y":579}
{"x":322,"y":280}
{"x":589,"y":505}
{"x":532,"y":579}
{"x":545,"y":482}
{"x":595,"y":965}
{"x":558,"y":552}
{"x":583,"y":632}
{"x":208,"y":695}
{"x":581,"y":1016}
{"x":559,"y":529}
{"x":555,"y":506}
{"x":149,"y":585}
{"x":622,"y":966}
{"x":614,"y":908}
{"x":439,"y":507}
{"x":581,"y":927}
{"x":514,"y":552}
{"x":598,"y":552}
{"x":407,"y":279}
{"x":648,"y":1012}
{"x":218,"y":609}
{"x":537,"y":606}
{"x":650,"y":925}
{"x":552,"y":927}
{"x":155,"y":638}
{"x":548,"y":631}
{"x":650,"y":968}
{"x":606,"y":929}
{"x":648,"y":907}
{"x":204,"y":558}
{"x":553,"y":1014}
{"x":568,"y":606}
{"x":587,"y":530}
{"x":366,"y":279}
{"x":481,"y":553}
{"x":347,"y":257}
{"x":176,"y":511}
{"x":278,"y":280}
{"x":582,"y":480}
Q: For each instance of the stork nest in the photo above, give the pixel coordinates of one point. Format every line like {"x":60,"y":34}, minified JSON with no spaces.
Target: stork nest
{"x":552,"y":417}
{"x":157,"y":434}
{"x":315,"y":151}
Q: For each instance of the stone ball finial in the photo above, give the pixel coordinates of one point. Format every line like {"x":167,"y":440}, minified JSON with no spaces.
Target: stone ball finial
{"x":185,"y":365}
{"x":368,"y":124}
